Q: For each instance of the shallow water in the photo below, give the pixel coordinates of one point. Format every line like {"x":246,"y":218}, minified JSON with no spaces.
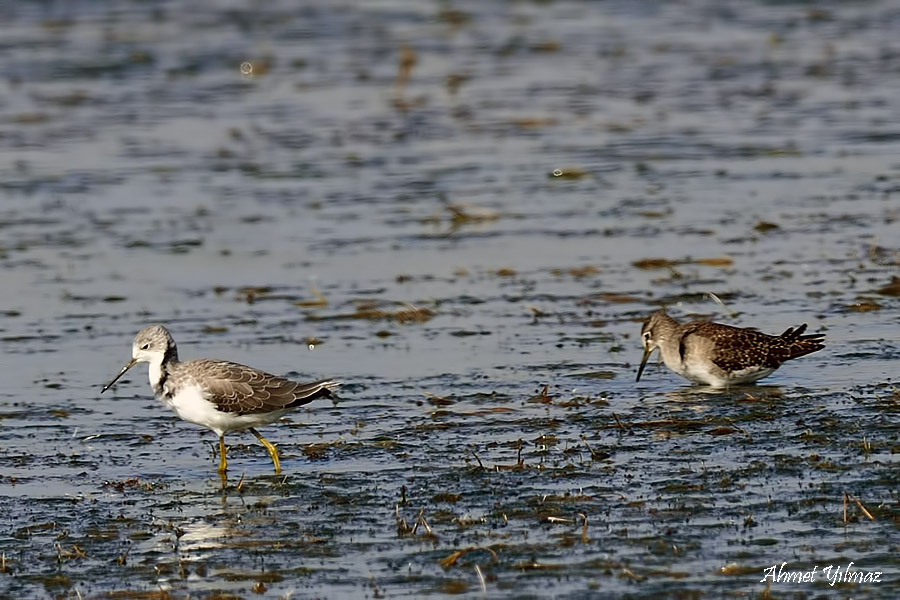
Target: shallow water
{"x":477,"y":231}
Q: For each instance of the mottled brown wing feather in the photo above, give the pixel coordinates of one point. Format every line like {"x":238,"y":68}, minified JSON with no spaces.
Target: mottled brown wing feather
{"x":239,"y":389}
{"x":736,"y":348}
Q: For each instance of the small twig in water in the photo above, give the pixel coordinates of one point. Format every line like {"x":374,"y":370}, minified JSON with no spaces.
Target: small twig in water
{"x":402,"y":525}
{"x":588,"y":446}
{"x":862,"y":508}
{"x":717,"y":300}
{"x":584,"y":535}
{"x":481,"y":579}
{"x":424,"y":522}
{"x":122,"y":559}
{"x":552,"y":519}
{"x":418,"y":520}
{"x":859,"y":504}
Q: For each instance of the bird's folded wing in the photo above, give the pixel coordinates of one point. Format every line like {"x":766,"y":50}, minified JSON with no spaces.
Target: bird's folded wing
{"x":238,"y":389}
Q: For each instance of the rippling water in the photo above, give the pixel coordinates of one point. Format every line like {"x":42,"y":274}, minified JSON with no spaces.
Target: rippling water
{"x":449,"y":206}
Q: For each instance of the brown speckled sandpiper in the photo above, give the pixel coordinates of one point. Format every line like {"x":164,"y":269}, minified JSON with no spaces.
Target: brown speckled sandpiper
{"x":721,"y":355}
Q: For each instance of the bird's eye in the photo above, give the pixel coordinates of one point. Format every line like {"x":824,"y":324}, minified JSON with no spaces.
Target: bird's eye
{"x":145,"y":346}
{"x":646,"y":336}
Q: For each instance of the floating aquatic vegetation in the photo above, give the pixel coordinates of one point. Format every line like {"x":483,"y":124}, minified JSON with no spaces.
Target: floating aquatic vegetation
{"x":467,"y":213}
{"x":462,"y":215}
{"x":891,"y":289}
{"x":886,"y":257}
{"x":251,"y":294}
{"x":318,"y":299}
{"x":568,"y":173}
{"x":655,"y":263}
{"x":453,"y":558}
{"x":439,"y":401}
{"x":666,"y":263}
{"x":764,"y":226}
{"x":454,"y":81}
{"x":576,"y":272}
{"x":535,"y":311}
{"x":407,"y":313}
{"x":863,"y":306}
{"x":542,"y":397}
{"x":596,"y":375}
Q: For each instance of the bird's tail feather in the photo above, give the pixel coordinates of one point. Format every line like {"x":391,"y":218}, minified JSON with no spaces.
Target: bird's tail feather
{"x":800,"y":345}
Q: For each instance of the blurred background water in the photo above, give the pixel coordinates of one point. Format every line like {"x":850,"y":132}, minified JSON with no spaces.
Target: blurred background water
{"x":449,"y":205}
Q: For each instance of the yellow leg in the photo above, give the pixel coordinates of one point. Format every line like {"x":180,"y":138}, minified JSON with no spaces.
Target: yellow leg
{"x":270,"y":447}
{"x":223,"y":463}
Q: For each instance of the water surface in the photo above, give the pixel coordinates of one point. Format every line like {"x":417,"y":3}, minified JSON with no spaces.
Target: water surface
{"x":450,"y":207}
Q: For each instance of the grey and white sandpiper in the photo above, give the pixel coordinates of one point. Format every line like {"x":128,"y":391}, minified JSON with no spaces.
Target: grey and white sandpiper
{"x":721,"y":355}
{"x":221,"y":395}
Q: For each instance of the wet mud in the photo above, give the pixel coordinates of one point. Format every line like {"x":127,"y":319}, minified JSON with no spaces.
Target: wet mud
{"x":464,"y":211}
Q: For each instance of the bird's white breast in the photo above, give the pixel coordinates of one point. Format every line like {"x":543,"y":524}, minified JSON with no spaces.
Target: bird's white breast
{"x":191,"y":404}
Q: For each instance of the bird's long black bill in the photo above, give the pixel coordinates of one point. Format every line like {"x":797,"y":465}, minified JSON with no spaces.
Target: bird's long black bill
{"x":130,"y":364}
{"x":644,"y":360}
